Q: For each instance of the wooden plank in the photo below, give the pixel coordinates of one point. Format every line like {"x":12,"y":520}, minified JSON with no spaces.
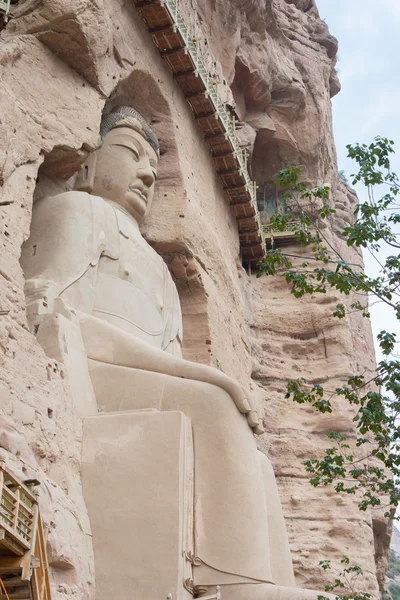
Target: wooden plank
{"x":228,"y":172}
{"x":255,"y":244}
{"x":234,"y":188}
{"x":27,"y":561}
{"x":247,"y":225}
{"x":163,"y":28}
{"x":15,"y":536}
{"x":2,"y":464}
{"x":198,"y":94}
{"x":171,"y":45}
{"x":143,"y":3}
{"x":17,"y":509}
{"x":43,"y":553}
{"x":10,"y":480}
{"x":250,"y":239}
{"x":21,"y":595}
{"x":221,"y":148}
{"x":14,"y":581}
{"x":169,"y":42}
{"x":210,"y":125}
{"x":9,"y":564}
{"x":155,"y":16}
{"x":242,"y":200}
{"x":192,"y":84}
{"x":172,"y":51}
{"x":12,"y":546}
{"x":179,"y":62}
{"x":226,"y":163}
{"x":201,"y":107}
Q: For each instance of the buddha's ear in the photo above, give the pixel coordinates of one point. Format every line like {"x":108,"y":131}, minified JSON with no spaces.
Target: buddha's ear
{"x":85,"y":179}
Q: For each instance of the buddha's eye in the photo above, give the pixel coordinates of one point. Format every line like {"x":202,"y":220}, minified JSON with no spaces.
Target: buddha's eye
{"x":132,"y":151}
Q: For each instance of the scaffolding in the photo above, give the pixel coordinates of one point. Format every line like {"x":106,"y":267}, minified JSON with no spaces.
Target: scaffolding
{"x":276,"y":238}
{"x":5,"y":10}
{"x":181,"y":51}
{"x":23,"y":560}
{"x":273,"y":205}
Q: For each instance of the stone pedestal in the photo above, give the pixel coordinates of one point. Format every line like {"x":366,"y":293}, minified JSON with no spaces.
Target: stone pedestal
{"x":137,"y":471}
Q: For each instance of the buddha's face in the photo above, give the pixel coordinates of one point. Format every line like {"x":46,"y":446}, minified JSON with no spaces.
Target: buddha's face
{"x":125,"y":171}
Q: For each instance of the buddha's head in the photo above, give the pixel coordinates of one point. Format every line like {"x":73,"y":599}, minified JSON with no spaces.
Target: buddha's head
{"x":124,"y":168}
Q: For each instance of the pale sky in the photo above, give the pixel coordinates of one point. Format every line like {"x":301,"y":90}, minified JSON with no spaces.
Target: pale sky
{"x":369,"y":103}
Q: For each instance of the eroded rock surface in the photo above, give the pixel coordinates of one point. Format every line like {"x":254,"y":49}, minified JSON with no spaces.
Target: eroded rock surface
{"x":60,"y":61}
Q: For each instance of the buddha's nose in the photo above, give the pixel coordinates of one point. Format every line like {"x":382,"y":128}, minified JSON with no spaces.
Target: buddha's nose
{"x":146,"y":174}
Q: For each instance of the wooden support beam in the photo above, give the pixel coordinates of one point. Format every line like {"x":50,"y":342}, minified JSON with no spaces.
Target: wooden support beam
{"x":247,"y":230}
{"x":200,"y":94}
{"x":187,"y":72}
{"x":143,"y":3}
{"x":10,"y":564}
{"x":6,"y":541}
{"x":249,"y":245}
{"x":222,"y":154}
{"x":205,"y":116}
{"x":19,"y":596}
{"x":251,"y":221}
{"x":172,"y":51}
{"x":233,"y":188}
{"x":240,"y":204}
{"x":15,"y":582}
{"x":229,"y":172}
{"x":214,"y":136}
{"x":163,"y":28}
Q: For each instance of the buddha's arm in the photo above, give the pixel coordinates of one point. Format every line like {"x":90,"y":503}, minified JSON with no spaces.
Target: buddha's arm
{"x":108,"y":344}
{"x":62,"y":246}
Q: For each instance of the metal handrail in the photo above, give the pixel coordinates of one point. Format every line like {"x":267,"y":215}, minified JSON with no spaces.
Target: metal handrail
{"x":5,"y":9}
{"x":172,"y":7}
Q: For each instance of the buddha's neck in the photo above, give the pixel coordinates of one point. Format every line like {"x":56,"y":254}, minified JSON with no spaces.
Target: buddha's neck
{"x":125,"y":212}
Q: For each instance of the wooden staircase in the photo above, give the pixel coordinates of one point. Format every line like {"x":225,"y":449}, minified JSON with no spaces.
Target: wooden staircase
{"x":16,"y":588}
{"x":23,"y":560}
{"x":180,"y":50}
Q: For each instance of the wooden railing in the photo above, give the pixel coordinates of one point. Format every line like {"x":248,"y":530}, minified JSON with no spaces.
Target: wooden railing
{"x":180,"y":49}
{"x":17,"y":514}
{"x":290,"y":228}
{"x":40,"y":582}
{"x":275,"y":237}
{"x":23,"y":559}
{"x":4,"y":9}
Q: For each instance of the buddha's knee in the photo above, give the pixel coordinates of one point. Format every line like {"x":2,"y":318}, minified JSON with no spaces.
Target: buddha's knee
{"x":200,"y":400}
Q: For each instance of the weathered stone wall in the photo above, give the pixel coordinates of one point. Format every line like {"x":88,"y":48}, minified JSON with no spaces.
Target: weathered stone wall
{"x":61,"y":62}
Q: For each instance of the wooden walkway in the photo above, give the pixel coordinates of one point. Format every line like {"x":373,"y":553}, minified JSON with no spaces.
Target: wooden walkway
{"x":180,"y":51}
{"x":278,"y":239}
{"x":23,"y":561}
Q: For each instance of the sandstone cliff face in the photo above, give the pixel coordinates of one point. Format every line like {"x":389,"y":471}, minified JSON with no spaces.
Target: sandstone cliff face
{"x":61,"y":62}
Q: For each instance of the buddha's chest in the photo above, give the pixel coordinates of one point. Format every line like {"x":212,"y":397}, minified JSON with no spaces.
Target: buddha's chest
{"x":130,"y":290}
{"x":138,"y":268}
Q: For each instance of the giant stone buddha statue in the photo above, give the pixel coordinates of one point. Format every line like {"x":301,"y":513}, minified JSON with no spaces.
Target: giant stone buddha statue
{"x":180,"y":500}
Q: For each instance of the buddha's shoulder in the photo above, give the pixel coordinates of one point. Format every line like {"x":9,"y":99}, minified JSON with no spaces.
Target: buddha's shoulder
{"x":79,"y":206}
{"x":70,"y":200}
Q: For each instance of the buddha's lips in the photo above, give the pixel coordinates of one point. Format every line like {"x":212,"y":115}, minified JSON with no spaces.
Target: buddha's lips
{"x":141,"y":193}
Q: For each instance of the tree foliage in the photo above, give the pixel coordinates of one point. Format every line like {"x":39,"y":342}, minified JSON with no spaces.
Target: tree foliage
{"x":394,"y":565}
{"x":345,"y":580}
{"x":370,"y":468}
{"x":394,"y":590}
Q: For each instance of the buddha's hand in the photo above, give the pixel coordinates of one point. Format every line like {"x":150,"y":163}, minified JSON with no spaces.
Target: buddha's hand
{"x":253,"y":418}
{"x":243,"y":401}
